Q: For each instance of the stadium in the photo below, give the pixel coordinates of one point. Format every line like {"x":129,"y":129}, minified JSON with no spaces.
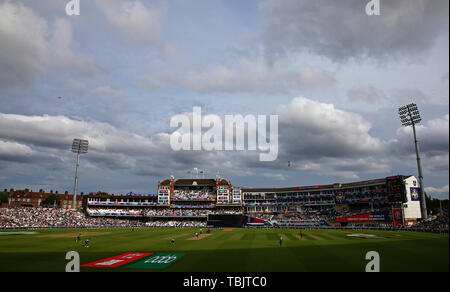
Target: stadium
{"x":306,"y":228}
{"x":188,"y":138}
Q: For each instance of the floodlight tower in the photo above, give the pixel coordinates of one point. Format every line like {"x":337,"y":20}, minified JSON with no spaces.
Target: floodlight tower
{"x":78,"y":147}
{"x":203,"y":172}
{"x":410,"y":116}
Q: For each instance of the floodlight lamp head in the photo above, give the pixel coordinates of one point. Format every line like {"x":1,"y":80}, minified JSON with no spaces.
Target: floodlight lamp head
{"x":403,"y":109}
{"x":80,"y":146}
{"x":409,"y":114}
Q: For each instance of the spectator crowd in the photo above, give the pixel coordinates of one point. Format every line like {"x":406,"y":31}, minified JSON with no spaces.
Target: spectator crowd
{"x":438,"y":223}
{"x":55,"y":218}
{"x":157,"y":212}
{"x":52,"y":217}
{"x":193,"y":195}
{"x":176,"y":224}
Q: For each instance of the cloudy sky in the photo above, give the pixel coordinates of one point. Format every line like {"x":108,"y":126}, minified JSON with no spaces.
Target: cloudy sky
{"x":334,"y":76}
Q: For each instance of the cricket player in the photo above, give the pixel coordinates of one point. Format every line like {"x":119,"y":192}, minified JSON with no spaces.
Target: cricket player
{"x":86,"y":243}
{"x":172,"y":241}
{"x":281,"y":240}
{"x":79,"y":237}
{"x":301,"y":234}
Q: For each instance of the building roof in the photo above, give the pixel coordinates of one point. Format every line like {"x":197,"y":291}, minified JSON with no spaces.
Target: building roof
{"x":223,"y":182}
{"x":195,"y":182}
{"x":127,"y":196}
{"x":330,"y":186}
{"x":274,"y":190}
{"x":165,"y":183}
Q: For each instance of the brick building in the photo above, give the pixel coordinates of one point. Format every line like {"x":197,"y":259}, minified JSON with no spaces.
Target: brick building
{"x":28,"y":198}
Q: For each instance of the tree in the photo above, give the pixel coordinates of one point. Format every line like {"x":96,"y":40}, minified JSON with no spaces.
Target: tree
{"x":434,"y":205}
{"x":51,"y":201}
{"x":3,"y":198}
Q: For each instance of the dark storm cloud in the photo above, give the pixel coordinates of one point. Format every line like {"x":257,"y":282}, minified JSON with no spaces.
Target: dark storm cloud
{"x":109,"y":147}
{"x":310,"y":129}
{"x":433,"y":137}
{"x":32,"y":45}
{"x":20,"y":153}
{"x":317,"y":138}
{"x":342,"y":30}
{"x":45,"y":54}
{"x":320,"y":138}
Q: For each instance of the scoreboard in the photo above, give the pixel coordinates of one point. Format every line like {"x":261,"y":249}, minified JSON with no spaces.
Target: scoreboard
{"x":163,"y":197}
{"x":225,"y":220}
{"x":223,"y":196}
{"x":396,"y":189}
{"x":237,"y":196}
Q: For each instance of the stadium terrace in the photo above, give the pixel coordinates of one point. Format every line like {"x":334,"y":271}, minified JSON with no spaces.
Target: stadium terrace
{"x":390,"y":201}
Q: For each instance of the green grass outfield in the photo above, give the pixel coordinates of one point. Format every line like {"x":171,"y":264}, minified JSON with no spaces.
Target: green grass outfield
{"x":240,"y":250}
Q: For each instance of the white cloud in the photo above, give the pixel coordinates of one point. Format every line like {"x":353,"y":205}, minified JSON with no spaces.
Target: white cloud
{"x":15,"y":151}
{"x":62,"y":57}
{"x":316,"y":137}
{"x":320,"y":139}
{"x":367,"y":94}
{"x":274,"y":176}
{"x":395,"y":96}
{"x":314,"y":129}
{"x":341,"y":30}
{"x":31,"y":46}
{"x":134,"y":20}
{"x":74,"y":85}
{"x":109,"y":146}
{"x":106,"y":90}
{"x":433,"y":137}
{"x":248,"y":75}
{"x":433,"y":190}
{"x":23,"y":53}
{"x":408,"y":95}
